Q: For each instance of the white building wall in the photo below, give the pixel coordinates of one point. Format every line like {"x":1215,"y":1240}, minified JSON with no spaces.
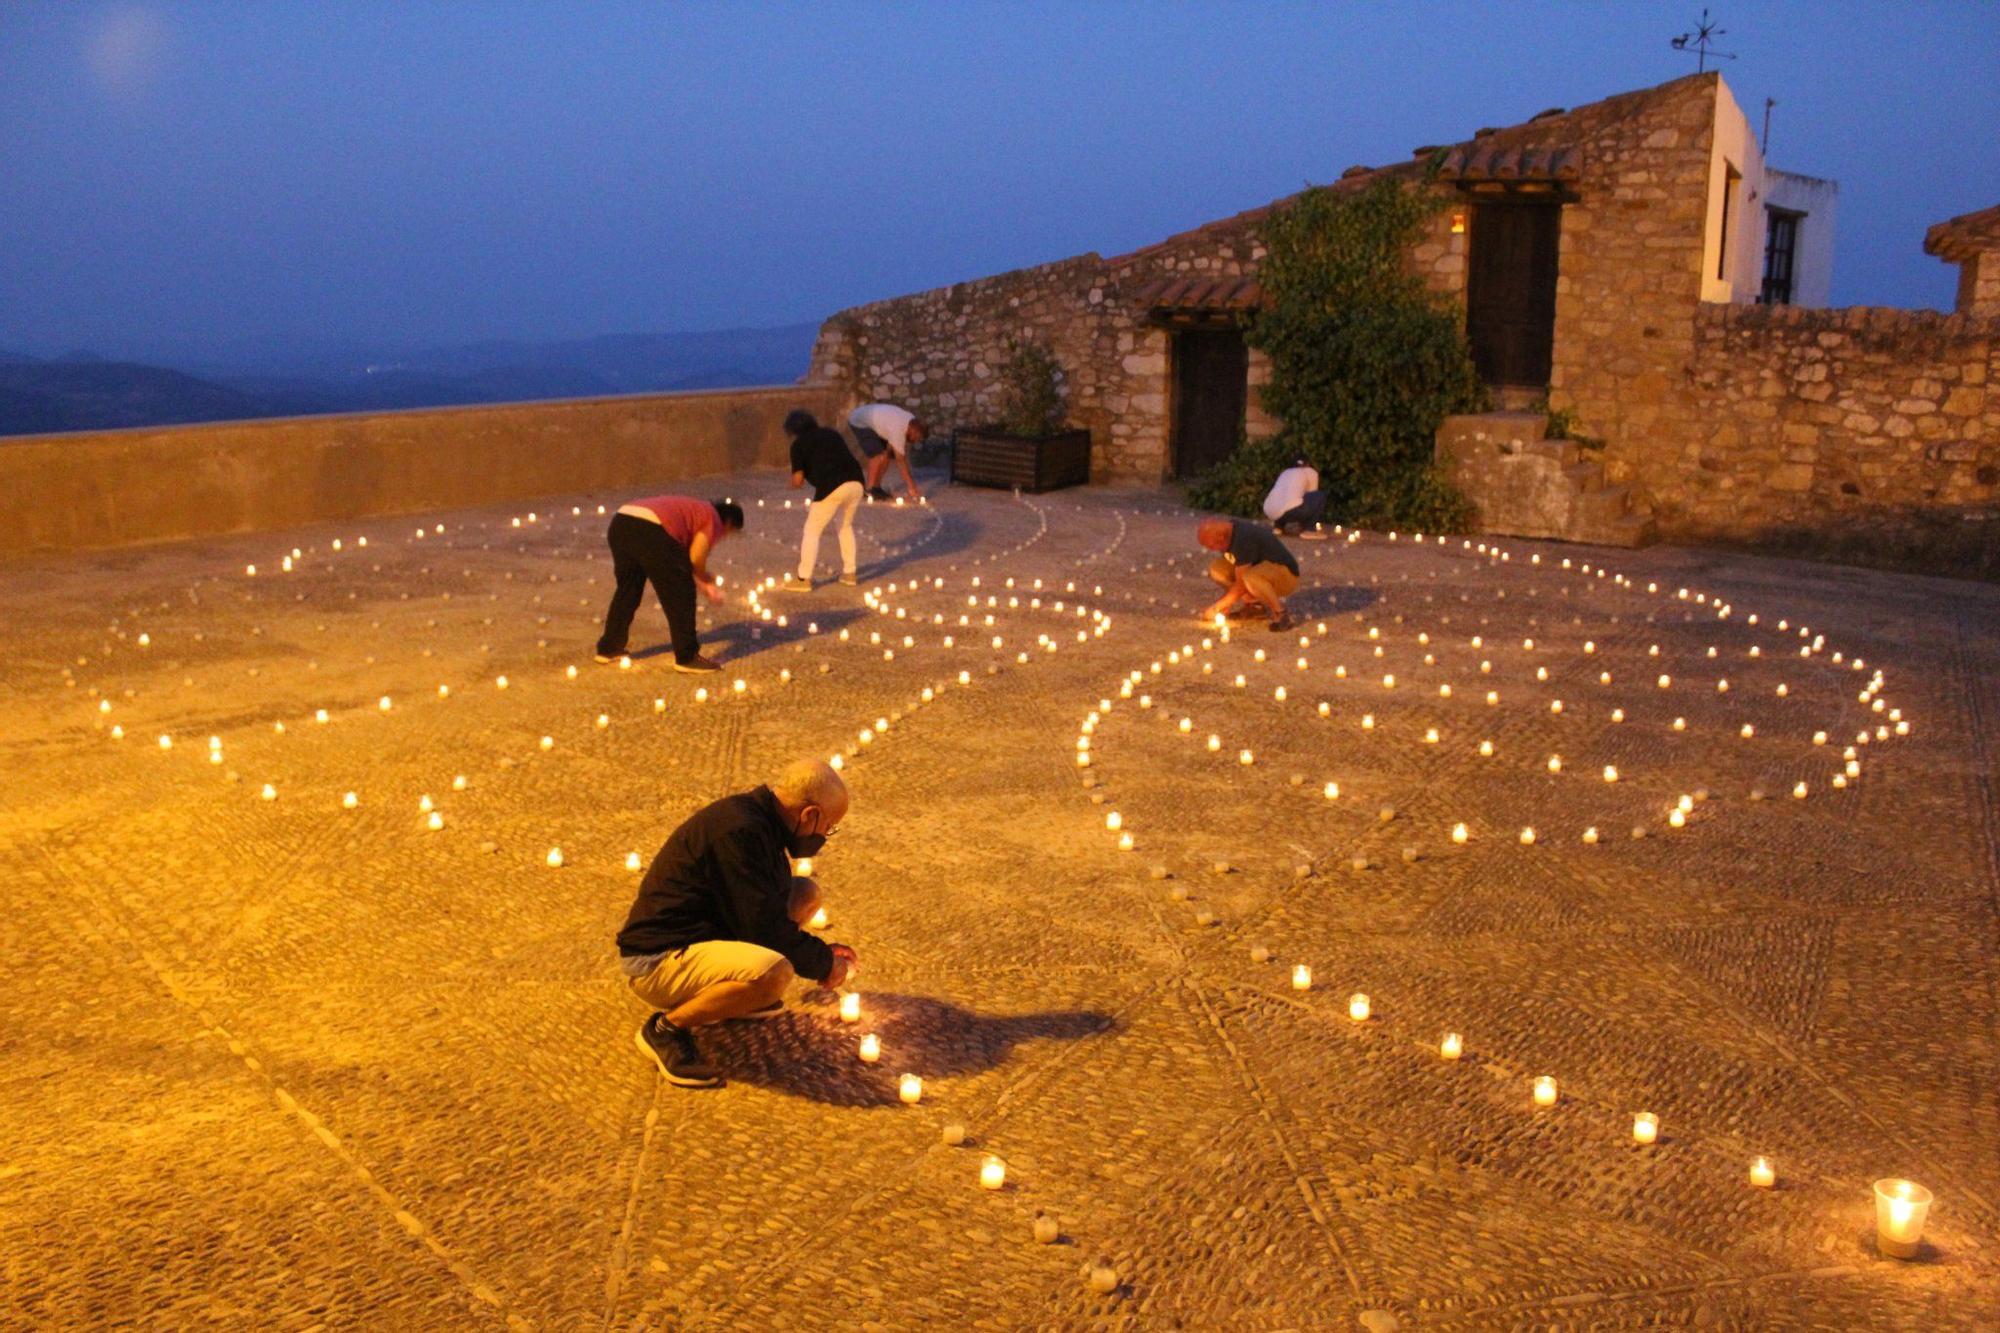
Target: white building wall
{"x":1818,"y":200}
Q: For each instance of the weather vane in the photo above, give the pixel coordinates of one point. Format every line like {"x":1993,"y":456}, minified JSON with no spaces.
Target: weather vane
{"x":1700,"y":40}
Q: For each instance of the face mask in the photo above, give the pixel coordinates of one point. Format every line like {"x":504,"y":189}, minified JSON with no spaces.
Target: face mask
{"x":805,"y":844}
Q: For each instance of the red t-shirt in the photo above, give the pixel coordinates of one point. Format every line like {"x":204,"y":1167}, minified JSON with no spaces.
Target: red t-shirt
{"x":683,"y":516}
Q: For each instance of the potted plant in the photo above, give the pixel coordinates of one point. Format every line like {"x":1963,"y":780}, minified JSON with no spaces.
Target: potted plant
{"x":1028,"y":448}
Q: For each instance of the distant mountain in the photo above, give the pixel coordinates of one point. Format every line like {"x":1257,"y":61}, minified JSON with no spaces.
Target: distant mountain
{"x":107,"y":395}
{"x":79,"y":391}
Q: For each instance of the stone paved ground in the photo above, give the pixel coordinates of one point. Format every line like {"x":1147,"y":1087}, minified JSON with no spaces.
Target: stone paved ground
{"x":279,"y":1063}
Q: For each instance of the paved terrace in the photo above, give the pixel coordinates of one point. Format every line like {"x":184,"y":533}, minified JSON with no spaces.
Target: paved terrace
{"x":274,"y":1062}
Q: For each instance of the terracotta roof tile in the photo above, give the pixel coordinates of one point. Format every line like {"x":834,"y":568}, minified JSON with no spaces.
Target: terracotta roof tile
{"x":1958,"y":239}
{"x":1201,"y":294}
{"x":1478,"y":161}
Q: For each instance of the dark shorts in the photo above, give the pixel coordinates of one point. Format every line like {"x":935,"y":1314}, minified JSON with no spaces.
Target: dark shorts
{"x":872,"y":445}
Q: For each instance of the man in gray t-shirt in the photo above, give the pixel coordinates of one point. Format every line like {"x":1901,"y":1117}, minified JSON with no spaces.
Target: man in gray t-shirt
{"x":1255,"y":570}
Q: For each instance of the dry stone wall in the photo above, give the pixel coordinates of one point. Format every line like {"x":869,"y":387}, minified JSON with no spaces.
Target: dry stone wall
{"x":1874,"y":428}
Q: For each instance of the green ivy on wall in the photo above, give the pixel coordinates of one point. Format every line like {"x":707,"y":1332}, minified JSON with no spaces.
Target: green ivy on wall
{"x":1365,"y":363}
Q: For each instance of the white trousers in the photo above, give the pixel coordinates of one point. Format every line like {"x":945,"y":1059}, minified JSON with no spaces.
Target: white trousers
{"x":846,"y":498}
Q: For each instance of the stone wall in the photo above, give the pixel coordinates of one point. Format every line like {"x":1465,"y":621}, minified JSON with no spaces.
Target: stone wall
{"x":1979,"y":284}
{"x":1872,"y":425}
{"x":118,"y":488}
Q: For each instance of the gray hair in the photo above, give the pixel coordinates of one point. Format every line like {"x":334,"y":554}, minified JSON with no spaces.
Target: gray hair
{"x":810,"y":782}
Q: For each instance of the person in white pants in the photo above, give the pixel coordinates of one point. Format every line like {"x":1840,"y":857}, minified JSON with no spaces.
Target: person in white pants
{"x":821,"y":456}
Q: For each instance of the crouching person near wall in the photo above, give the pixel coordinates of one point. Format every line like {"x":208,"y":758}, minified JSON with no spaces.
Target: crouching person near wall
{"x":716,"y":931}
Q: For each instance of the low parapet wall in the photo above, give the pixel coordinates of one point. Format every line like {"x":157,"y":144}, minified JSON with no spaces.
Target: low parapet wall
{"x":124,"y":487}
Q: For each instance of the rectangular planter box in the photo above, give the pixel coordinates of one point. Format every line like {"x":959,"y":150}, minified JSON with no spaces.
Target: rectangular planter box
{"x":981,"y":456}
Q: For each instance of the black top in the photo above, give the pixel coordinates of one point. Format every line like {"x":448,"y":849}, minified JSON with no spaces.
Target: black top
{"x":1253,"y":544}
{"x":824,"y":457}
{"x":724,"y":875}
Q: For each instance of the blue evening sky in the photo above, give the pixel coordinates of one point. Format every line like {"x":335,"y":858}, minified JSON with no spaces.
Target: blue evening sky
{"x":193,"y":176}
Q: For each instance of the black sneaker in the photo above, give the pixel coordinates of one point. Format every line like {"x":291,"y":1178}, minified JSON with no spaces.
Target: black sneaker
{"x":676,"y":1054}
{"x":697,"y":665}
{"x":768,"y":1012}
{"x":877,"y":493}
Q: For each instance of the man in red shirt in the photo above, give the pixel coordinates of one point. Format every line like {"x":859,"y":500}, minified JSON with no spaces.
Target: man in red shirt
{"x":665,"y":539}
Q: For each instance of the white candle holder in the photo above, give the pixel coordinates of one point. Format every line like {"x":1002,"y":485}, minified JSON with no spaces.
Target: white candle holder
{"x":1901,"y":1208}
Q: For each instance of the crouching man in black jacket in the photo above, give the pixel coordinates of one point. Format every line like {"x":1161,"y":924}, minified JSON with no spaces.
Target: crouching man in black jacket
{"x":715,"y":933}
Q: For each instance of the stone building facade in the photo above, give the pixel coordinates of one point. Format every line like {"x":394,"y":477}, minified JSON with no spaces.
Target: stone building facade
{"x":1611,"y":258}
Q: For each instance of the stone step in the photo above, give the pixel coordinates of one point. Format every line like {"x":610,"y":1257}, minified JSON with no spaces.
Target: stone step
{"x":1587,"y":475}
{"x":1564,"y":452}
{"x":1627,"y":530}
{"x":1603,"y":505}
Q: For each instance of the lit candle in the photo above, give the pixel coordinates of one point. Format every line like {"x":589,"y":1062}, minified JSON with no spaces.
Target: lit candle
{"x":1331,"y":791}
{"x":911,"y":1089}
{"x":803,"y":866}
{"x":818,"y":922}
{"x":1762,"y":1174}
{"x":1245,"y":757}
{"x":632,"y":861}
{"x":1545,"y":1091}
{"x":1900,"y":1209}
{"x":350,"y":800}
{"x":1452,"y":1046}
{"x":850,"y":1007}
{"x":1357,"y":1007}
{"x":871,"y":1049}
{"x":436,"y":822}
{"x":555,"y":858}
{"x":1645,"y":1127}
{"x":1459,"y":833}
{"x":1302,"y":977}
{"x":992,"y":1173}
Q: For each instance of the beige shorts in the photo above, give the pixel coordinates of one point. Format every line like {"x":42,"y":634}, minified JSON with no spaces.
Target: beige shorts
{"x":685,"y":973}
{"x":1266,"y":578}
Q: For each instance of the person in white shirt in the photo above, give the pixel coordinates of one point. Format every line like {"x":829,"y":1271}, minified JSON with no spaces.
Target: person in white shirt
{"x":1296,"y":501}
{"x":885,"y":431}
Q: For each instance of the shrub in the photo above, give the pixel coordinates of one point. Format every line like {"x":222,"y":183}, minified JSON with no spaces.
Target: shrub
{"x":1365,"y":363}
{"x":1031,"y":391}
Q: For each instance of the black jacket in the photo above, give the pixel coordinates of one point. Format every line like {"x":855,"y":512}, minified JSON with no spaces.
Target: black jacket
{"x":724,"y":875}
{"x":825,"y":459}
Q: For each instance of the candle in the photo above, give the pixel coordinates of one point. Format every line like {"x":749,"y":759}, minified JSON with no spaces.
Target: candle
{"x":269,"y":793}
{"x":632,"y":861}
{"x":1452,"y":1046}
{"x":1114,"y":821}
{"x":555,"y":857}
{"x":850,"y":1007}
{"x":911,"y":1089}
{"x":871,"y":1049}
{"x":1645,"y":1127}
{"x":952,"y":1134}
{"x":1762,"y":1174}
{"x":1900,"y":1209}
{"x":992,"y":1173}
{"x":1302,"y":977}
{"x":1459,"y":833}
{"x":818,"y":919}
{"x":1545,"y":1091}
{"x":435,"y":822}
{"x":1047,"y":1229}
{"x":350,"y":800}
{"x":1357,"y":1007}
{"x":803,"y":866}
{"x":1125,"y":843}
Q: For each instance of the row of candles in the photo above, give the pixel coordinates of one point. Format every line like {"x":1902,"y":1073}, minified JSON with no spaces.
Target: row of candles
{"x":1901,"y":1205}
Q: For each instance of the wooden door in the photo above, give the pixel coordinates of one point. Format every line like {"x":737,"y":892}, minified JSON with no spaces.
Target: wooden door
{"x":1510,"y":299}
{"x":1211,"y":390}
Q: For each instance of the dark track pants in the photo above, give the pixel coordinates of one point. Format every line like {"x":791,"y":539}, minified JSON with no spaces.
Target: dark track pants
{"x":642,"y":552}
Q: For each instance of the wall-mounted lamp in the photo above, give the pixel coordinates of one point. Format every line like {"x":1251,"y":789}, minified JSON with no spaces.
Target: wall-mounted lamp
{"x":1458,"y":224}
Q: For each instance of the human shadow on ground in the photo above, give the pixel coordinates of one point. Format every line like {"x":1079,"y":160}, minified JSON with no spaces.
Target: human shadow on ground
{"x":734,"y":641}
{"x":1332,"y":599}
{"x":956,"y":533}
{"x":808,"y":1052}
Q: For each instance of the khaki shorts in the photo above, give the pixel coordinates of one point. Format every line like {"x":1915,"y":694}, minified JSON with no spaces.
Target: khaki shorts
{"x":685,"y":973}
{"x":1266,"y":578}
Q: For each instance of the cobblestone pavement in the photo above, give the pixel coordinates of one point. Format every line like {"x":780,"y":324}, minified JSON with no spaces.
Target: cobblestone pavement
{"x":271,"y":1061}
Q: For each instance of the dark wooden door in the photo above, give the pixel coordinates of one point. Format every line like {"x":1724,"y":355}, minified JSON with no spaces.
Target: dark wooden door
{"x":1211,"y":388}
{"x":1510,"y":299}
